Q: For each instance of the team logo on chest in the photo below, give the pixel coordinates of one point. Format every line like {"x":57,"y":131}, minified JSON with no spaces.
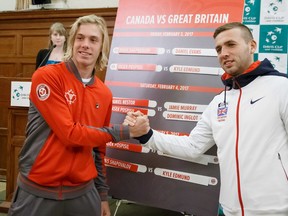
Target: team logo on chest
{"x":222,"y":111}
{"x":70,"y":96}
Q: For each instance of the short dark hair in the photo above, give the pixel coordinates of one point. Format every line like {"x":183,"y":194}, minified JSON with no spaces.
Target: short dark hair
{"x":247,"y":34}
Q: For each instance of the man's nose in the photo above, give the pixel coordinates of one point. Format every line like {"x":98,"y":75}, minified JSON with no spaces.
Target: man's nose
{"x":224,"y":52}
{"x":85,"y":43}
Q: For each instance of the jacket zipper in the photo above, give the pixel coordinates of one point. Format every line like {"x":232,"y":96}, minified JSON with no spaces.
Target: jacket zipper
{"x":61,"y":192}
{"x":237,"y":149}
{"x":279,"y":157}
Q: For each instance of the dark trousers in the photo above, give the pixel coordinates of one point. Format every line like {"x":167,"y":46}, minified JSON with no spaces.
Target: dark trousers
{"x":26,"y":204}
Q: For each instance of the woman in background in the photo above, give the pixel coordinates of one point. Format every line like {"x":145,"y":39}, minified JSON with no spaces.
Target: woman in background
{"x":56,"y":47}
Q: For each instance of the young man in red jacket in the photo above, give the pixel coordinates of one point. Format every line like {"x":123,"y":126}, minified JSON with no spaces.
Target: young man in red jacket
{"x":61,"y":165}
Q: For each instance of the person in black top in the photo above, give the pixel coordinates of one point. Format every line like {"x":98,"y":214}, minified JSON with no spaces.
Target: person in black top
{"x":56,"y":46}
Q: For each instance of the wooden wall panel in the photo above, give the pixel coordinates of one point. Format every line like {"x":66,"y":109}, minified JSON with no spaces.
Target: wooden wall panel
{"x":3,"y":119}
{"x":28,"y":69}
{"x":7,"y":44}
{"x":28,"y":47}
{"x":3,"y":160}
{"x":22,"y":35}
{"x":17,"y":120}
{"x":4,"y":103}
{"x":7,"y":69}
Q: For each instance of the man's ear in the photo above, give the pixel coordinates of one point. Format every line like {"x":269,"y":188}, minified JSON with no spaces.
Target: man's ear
{"x":253,"y":45}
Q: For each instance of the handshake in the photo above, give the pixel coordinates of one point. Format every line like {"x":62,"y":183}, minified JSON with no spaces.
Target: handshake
{"x":138,"y":123}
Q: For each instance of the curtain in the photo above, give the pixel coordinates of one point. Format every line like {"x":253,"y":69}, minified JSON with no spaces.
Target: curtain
{"x":22,"y":4}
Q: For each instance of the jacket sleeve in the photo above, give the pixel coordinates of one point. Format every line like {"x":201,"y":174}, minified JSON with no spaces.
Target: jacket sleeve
{"x":100,"y":180}
{"x":47,"y":96}
{"x":283,"y":102}
{"x":99,"y":160}
{"x":187,"y":147}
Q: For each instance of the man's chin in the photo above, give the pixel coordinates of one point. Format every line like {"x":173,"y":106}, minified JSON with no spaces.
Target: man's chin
{"x":230,"y":71}
{"x":83,"y":61}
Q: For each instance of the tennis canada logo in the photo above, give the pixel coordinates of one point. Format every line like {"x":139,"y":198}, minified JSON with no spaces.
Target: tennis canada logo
{"x":42,"y":91}
{"x":70,"y":96}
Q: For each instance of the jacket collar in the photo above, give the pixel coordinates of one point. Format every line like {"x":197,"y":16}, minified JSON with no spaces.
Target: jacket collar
{"x":256,"y":69}
{"x":73,"y":69}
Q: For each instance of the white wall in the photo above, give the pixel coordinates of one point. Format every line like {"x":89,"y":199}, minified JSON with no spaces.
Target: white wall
{"x":9,"y":5}
{"x":92,"y":3}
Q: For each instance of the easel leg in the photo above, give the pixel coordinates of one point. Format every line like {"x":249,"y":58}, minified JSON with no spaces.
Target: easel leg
{"x":118,"y":203}
{"x":185,"y":214}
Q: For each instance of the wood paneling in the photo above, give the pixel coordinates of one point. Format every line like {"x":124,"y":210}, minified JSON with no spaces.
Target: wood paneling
{"x":22,"y":35}
{"x":7,"y":44}
{"x":6,"y":69}
{"x":17,"y":119}
{"x":6,"y":124}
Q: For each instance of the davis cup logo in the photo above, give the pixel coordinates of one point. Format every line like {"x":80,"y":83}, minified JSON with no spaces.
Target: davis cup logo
{"x":42,"y":91}
{"x":272,"y":36}
{"x":273,"y":7}
{"x":248,"y":6}
{"x":17,"y":93}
